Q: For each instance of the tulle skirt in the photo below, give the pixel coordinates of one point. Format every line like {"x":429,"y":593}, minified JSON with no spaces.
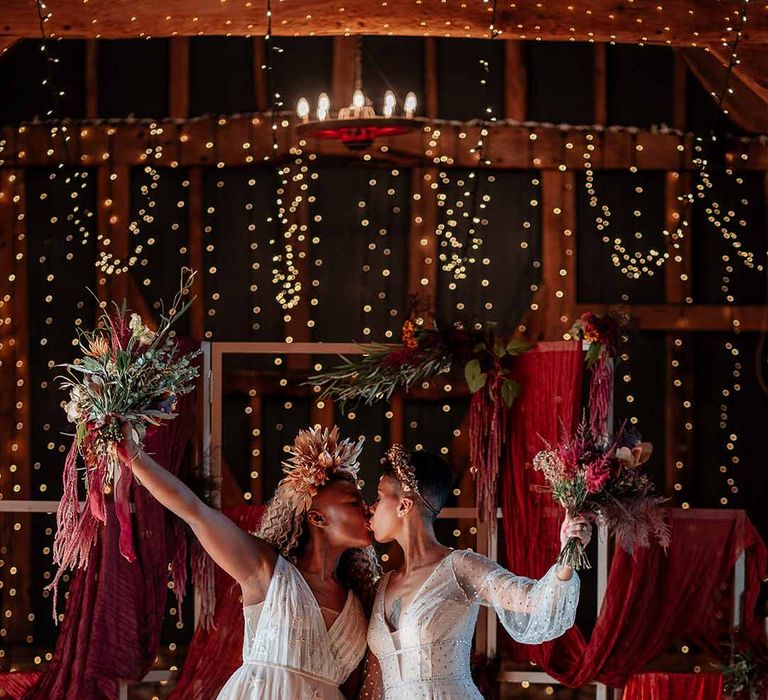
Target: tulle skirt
{"x":264,"y":682}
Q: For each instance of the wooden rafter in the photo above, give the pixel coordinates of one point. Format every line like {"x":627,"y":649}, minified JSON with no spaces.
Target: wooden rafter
{"x":690,"y":317}
{"x":15,"y":462}
{"x":515,"y":81}
{"x":747,"y":102}
{"x":558,"y":259}
{"x":512,"y":146}
{"x":673,"y":23}
{"x":6,"y":43}
{"x":178,"y":78}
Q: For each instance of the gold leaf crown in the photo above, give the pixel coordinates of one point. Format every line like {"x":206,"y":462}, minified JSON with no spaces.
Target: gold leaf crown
{"x":316,"y":454}
{"x":400,"y":461}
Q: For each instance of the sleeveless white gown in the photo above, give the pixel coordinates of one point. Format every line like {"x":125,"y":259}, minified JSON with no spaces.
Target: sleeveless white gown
{"x":287,"y":650}
{"x":427,"y":657}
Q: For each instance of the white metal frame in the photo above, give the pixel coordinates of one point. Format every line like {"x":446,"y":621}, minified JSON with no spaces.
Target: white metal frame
{"x":213,"y":356}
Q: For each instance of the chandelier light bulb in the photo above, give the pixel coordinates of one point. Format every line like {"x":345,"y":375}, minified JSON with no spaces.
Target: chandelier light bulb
{"x":323,"y":106}
{"x":302,"y":109}
{"x":389,"y":103}
{"x":358,"y":99}
{"x":410,"y":105}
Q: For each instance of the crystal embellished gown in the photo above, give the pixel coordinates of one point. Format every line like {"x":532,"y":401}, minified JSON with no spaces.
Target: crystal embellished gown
{"x":288,"y":653}
{"x":427,"y":657}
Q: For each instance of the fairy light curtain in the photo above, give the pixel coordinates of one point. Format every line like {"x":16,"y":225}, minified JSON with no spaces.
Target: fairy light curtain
{"x":121,"y":96}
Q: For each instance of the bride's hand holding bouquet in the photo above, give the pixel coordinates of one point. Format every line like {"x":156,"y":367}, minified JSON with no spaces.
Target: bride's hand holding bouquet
{"x":604,"y":484}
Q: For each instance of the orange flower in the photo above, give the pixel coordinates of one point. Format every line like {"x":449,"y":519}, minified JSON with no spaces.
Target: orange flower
{"x":98,"y":347}
{"x":591,"y":336}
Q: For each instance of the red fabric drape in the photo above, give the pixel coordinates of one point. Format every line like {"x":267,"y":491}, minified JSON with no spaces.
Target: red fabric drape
{"x":674,"y":686}
{"x":653,"y":599}
{"x":14,"y":685}
{"x":114,"y":610}
{"x":214,"y":654}
{"x":550,"y":377}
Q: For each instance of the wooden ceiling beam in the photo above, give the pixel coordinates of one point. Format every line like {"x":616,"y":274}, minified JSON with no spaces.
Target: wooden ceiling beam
{"x":688,"y":317}
{"x":674,"y":23}
{"x":191,"y":142}
{"x":7,"y":43}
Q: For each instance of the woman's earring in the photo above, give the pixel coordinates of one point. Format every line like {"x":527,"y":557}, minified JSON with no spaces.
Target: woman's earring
{"x":400,"y":514}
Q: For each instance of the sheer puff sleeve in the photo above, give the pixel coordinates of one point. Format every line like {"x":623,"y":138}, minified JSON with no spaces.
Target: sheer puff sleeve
{"x":532,"y":611}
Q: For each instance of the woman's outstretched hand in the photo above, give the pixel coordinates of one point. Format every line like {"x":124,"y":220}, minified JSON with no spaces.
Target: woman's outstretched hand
{"x":579,"y":527}
{"x":128,"y":449}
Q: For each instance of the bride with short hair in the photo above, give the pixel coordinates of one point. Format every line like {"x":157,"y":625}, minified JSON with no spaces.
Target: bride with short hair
{"x":424,"y":615}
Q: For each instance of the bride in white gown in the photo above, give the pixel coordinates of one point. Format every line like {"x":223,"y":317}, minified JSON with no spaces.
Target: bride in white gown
{"x":300,"y":574}
{"x":424,"y":614}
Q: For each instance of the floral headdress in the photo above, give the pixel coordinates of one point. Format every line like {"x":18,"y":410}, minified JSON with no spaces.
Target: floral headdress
{"x":316,"y":455}
{"x":399,"y":459}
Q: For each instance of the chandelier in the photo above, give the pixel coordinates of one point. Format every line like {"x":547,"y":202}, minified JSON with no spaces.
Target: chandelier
{"x":357,"y":126}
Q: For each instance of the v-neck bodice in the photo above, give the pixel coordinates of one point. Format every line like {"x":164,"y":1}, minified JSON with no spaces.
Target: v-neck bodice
{"x":385,"y":583}
{"x":287,"y":649}
{"x":428,"y":655}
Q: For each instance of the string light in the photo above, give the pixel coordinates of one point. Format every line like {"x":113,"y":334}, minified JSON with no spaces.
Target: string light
{"x":210,"y":234}
{"x":379,"y":242}
{"x":253,"y":238}
{"x":461,"y":234}
{"x":678,"y":356}
{"x":298,"y":176}
{"x":108,"y":263}
{"x":635,"y":264}
{"x":78,"y":215}
{"x":722,"y":223}
{"x":291,"y":193}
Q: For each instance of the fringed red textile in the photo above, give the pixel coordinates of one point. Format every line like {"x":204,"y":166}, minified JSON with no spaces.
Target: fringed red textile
{"x":96,"y":468}
{"x":179,"y":571}
{"x":203,"y":579}
{"x":600,"y":395}
{"x":487,"y":434}
{"x":114,"y":611}
{"x":76,"y":530}
{"x":13,"y":685}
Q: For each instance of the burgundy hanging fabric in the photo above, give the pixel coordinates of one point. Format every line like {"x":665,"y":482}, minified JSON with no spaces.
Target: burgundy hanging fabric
{"x":215,"y":653}
{"x":550,"y":378}
{"x":652,"y":599}
{"x":115,"y":609}
{"x":674,"y":686}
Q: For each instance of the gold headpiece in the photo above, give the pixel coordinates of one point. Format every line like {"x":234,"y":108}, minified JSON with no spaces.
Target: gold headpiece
{"x":315,"y":455}
{"x":399,"y":459}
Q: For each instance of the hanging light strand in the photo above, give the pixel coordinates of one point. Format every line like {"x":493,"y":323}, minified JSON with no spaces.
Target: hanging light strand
{"x":462,"y":234}
{"x":636,"y":264}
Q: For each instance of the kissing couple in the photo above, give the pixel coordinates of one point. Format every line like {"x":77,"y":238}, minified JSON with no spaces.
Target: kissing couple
{"x":313,"y":595}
